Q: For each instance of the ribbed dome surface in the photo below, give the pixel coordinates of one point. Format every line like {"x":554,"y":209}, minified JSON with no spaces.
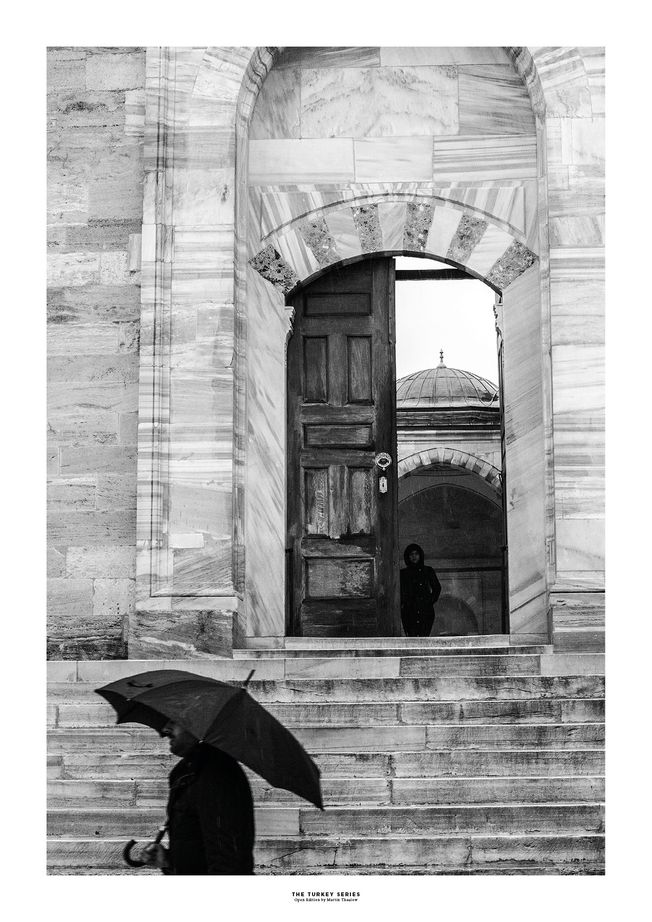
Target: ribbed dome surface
{"x":444,"y":387}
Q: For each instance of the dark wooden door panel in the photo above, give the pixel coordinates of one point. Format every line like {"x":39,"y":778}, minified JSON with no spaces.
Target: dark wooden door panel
{"x":341,"y":413}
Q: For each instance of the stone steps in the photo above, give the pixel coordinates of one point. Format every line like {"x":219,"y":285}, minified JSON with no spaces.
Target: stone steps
{"x":80,"y":708}
{"x":276,"y":668}
{"x":252,"y":653}
{"x":385,"y":854}
{"x":323,"y":738}
{"x":284,"y":821}
{"x":339,"y":791}
{"x":455,"y":755}
{"x":358,"y":763}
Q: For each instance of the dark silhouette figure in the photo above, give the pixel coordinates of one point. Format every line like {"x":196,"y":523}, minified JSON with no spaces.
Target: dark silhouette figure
{"x":420,"y":589}
{"x":210,"y":812}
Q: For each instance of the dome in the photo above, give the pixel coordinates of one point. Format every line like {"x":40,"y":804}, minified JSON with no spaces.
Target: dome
{"x":444,"y":387}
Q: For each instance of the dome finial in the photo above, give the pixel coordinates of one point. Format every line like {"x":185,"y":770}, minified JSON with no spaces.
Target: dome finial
{"x":441,"y":356}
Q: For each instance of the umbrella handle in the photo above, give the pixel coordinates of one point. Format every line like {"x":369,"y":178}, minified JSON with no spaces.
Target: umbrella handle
{"x":136,"y":862}
{"x":248,"y":679}
{"x":126,"y":854}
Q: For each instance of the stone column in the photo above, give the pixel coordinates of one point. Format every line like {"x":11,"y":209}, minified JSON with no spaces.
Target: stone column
{"x":186,"y":583}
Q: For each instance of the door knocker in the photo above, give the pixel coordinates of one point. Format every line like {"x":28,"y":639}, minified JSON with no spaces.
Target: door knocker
{"x":382,"y":461}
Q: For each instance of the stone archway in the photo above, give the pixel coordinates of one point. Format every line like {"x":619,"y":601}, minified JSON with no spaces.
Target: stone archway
{"x":408,"y":224}
{"x":199,"y":103}
{"x":456,"y":458}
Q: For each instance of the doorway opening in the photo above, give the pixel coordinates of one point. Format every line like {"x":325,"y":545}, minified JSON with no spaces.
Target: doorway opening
{"x":450,"y":437}
{"x":372,"y":466}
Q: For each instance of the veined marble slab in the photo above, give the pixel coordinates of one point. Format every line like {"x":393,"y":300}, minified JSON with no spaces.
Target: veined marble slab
{"x":577,"y":230}
{"x":574,"y":263}
{"x":489,"y":248}
{"x":485,"y":157}
{"x":325,"y":160}
{"x":441,"y":56}
{"x":583,"y":140}
{"x":493,"y":100}
{"x":265,"y":477}
{"x":563,"y":74}
{"x":336,"y":56}
{"x":594,"y":64}
{"x":445,"y":222}
{"x":577,"y":311}
{"x":504,"y":202}
{"x":378,"y":102}
{"x":203,"y":197}
{"x":277,"y":113}
{"x":393,"y":159}
{"x":296,"y":253}
{"x":578,"y":384}
{"x":281,"y":206}
{"x":343,"y":229}
{"x":392,"y":217}
{"x":580,"y":544}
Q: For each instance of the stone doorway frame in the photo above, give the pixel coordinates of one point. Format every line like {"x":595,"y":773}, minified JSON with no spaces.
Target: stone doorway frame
{"x":191,"y":590}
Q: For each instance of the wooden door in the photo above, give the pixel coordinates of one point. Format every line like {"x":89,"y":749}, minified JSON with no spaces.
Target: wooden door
{"x":342,"y":530}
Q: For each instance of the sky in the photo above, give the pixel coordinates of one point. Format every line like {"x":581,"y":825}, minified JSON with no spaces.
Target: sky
{"x":456,"y":316}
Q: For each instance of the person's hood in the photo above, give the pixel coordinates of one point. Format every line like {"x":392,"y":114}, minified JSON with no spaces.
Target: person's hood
{"x":408,"y":551}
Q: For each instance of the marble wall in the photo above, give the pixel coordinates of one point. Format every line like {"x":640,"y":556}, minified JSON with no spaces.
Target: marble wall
{"x":474,"y":177}
{"x":526,"y":462}
{"x":190,"y":419}
{"x":510,"y":169}
{"x":95,"y":122}
{"x":392,"y":150}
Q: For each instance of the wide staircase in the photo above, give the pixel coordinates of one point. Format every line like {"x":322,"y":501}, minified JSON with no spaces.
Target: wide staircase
{"x":438,"y":756}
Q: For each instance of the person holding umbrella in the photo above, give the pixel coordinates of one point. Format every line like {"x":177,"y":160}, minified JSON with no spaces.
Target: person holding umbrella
{"x":210,"y":812}
{"x":212,"y":726}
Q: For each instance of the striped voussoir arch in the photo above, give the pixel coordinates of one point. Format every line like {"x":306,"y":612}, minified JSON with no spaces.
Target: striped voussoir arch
{"x":423,"y":226}
{"x":455,"y":458}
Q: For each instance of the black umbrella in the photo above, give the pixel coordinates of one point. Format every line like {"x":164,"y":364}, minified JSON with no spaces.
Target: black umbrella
{"x":220,"y":715}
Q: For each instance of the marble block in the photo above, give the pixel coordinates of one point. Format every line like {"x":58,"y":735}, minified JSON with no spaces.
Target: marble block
{"x":469,"y":232}
{"x":363,"y":56}
{"x":324,"y":160}
{"x":578,"y":384}
{"x":580,"y":544}
{"x":316,"y":234}
{"x":563,"y":73}
{"x":277,"y":113}
{"x":115,"y":70}
{"x":485,"y":157}
{"x":203,"y":197}
{"x":297,"y":254}
{"x":503,"y":202}
{"x":577,"y":230}
{"x":493,"y":100}
{"x":378,"y":102}
{"x":344,"y":230}
{"x":417,"y":225}
{"x":392,"y":217}
{"x":444,"y":225}
{"x":419,"y":57}
{"x":67,"y":269}
{"x":489,"y":248}
{"x":577,"y":311}
{"x":393,"y":159}
{"x":583,"y":140}
{"x":367,"y":224}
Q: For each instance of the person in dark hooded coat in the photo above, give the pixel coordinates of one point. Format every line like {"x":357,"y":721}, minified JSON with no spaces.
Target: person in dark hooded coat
{"x":210,"y":812}
{"x":420,"y":589}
